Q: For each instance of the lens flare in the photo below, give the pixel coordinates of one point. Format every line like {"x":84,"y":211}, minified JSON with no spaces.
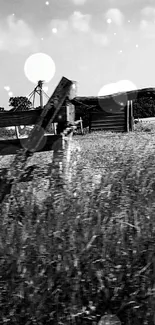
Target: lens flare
{"x":39,"y":66}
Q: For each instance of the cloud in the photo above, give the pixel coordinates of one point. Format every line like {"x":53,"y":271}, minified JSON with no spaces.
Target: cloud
{"x":77,"y":21}
{"x":80,"y":21}
{"x":79,"y":2}
{"x":62,"y":26}
{"x":16,"y":35}
{"x":148,"y":12}
{"x":147,"y":23}
{"x":126,"y":2}
{"x":115,"y":15}
{"x":82,"y":24}
{"x":100,"y":38}
{"x":148,"y":29}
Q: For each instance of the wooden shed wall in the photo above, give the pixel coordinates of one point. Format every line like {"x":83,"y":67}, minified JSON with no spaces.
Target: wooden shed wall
{"x":113,"y":118}
{"x":112,"y":122}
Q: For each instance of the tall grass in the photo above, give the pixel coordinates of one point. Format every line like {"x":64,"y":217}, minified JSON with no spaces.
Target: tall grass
{"x":73,"y":249}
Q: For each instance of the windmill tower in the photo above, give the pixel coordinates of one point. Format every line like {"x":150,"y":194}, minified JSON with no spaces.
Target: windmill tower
{"x":38,"y":90}
{"x":32,"y":96}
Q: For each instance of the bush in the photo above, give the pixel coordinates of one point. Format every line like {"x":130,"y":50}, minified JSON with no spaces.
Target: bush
{"x":145,"y":127}
{"x":144,"y":107}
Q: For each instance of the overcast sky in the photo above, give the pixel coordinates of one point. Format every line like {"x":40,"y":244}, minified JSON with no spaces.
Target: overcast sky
{"x":94,"y":42}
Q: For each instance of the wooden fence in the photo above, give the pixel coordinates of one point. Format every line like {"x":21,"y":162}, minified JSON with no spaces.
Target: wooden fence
{"x":145,"y":120}
{"x":58,"y":109}
{"x":62,"y":112}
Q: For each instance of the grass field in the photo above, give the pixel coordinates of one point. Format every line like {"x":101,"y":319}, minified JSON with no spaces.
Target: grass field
{"x":84,"y":246}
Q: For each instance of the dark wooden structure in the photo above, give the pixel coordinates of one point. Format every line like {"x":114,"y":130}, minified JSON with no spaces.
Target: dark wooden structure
{"x":112,"y":112}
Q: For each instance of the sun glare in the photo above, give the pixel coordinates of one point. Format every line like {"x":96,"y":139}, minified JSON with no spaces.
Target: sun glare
{"x":113,"y":88}
{"x":120,"y":86}
{"x":39,"y":66}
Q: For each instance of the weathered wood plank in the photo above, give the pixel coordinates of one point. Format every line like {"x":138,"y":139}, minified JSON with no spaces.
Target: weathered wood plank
{"x":49,"y":142}
{"x":131,"y":117}
{"x":28,"y":117}
{"x":70,"y":108}
{"x":127,"y":116}
{"x":145,"y":119}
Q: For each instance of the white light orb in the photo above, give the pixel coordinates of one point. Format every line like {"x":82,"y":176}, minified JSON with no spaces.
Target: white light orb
{"x":7,"y":88}
{"x":39,"y":66}
{"x":10,"y":93}
{"x":120,"y":86}
{"x":109,"y":21}
{"x":126,"y":85}
{"x":114,"y":88}
{"x":54,"y":30}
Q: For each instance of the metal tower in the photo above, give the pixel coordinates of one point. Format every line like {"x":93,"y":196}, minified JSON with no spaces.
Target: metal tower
{"x":39,"y":90}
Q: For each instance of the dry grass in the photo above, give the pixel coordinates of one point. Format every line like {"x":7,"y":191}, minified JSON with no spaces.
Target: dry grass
{"x":86,"y":247}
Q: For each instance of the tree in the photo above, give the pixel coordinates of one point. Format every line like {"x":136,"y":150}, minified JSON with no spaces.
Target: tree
{"x":144,"y":107}
{"x":20,"y":104}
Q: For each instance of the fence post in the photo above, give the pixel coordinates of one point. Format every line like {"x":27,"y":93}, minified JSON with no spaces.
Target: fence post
{"x":70,"y":108}
{"x":67,"y":157}
{"x":131,"y":123}
{"x":81,"y":123}
{"x":127,"y":115}
{"x":90,"y":120}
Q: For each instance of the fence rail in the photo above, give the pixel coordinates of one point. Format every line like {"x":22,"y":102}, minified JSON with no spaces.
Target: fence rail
{"x":49,"y":142}
{"x":145,"y":120}
{"x":27,"y":117}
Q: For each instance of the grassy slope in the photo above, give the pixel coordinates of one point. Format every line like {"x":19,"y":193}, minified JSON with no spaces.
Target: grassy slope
{"x":89,"y":248}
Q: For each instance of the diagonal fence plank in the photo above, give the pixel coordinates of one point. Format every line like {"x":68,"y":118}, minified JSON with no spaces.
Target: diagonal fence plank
{"x":36,"y":136}
{"x":48,"y":114}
